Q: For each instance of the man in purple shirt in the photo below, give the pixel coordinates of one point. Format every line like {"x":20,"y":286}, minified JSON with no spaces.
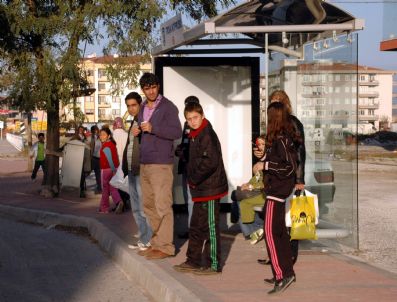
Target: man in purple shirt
{"x":159,"y":126}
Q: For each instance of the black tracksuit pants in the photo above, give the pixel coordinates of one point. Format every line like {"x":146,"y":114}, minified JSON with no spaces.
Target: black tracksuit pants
{"x":204,"y":230}
{"x":277,"y":240}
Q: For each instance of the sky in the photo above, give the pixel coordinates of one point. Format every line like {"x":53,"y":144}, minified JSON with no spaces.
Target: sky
{"x":369,"y":38}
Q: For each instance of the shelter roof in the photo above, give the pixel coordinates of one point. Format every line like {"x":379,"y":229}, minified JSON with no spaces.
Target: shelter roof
{"x":255,"y":18}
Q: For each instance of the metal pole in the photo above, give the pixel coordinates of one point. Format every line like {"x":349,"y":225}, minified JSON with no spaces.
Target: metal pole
{"x":266,"y":74}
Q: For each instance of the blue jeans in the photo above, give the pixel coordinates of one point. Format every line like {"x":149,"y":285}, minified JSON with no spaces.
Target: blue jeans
{"x":137,"y":209}
{"x":249,"y":228}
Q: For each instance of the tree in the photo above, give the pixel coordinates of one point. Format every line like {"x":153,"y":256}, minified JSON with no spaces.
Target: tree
{"x":42,"y":42}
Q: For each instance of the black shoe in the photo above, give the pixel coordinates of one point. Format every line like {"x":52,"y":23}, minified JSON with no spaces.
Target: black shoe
{"x":270,"y":280}
{"x":282,"y":285}
{"x":264,"y":261}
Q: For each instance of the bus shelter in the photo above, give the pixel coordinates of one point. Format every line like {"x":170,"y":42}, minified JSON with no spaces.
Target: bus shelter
{"x":233,"y":62}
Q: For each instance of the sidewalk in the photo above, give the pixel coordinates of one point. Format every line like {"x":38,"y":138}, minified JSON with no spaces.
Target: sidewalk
{"x":321,"y":276}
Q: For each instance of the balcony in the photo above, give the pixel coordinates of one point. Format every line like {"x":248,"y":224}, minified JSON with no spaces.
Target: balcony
{"x":368,"y":83}
{"x":368,"y":106}
{"x":104,"y":105}
{"x":370,"y":118}
{"x":314,"y":94}
{"x":314,"y":83}
{"x":368,"y":94}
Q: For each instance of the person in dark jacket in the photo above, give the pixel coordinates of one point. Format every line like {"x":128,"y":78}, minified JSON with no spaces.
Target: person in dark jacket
{"x":208,"y":184}
{"x":159,"y":126}
{"x":131,"y":167}
{"x":279,"y":165}
{"x":281,"y":96}
{"x":182,"y":151}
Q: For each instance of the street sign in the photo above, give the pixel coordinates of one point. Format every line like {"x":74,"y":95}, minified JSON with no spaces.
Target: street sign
{"x":1,"y":124}
{"x":172,"y":31}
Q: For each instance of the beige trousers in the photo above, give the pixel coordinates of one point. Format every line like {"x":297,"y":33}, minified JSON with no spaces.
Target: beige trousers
{"x":156,"y":184}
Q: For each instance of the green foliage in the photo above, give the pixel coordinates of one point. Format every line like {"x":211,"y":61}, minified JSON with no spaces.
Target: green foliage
{"x":40,"y":41}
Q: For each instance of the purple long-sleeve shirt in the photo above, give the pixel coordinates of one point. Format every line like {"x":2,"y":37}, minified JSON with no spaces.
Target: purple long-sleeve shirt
{"x":157,"y":146}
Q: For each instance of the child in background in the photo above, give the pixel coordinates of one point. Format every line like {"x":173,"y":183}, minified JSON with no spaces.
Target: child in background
{"x":109,"y":162}
{"x":207,"y":181}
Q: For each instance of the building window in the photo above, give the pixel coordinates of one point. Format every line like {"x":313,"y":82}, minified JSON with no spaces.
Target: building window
{"x":361,"y":112}
{"x":116,"y":99}
{"x":89,"y":111}
{"x":347,"y":101}
{"x":337,"y":77}
{"x":320,"y":112}
{"x":116,"y":112}
{"x":371,"y":112}
{"x":101,"y":72}
{"x":89,"y":73}
{"x":347,"y":89}
{"x":101,"y":86}
{"x":354,"y":89}
{"x":347,"y":77}
{"x":362,"y":77}
{"x":89,"y":99}
{"x":320,"y":101}
{"x":330,"y":78}
{"x":354,"y":101}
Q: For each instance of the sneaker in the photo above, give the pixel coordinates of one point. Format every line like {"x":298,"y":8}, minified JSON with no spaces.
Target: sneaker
{"x":270,"y":280}
{"x":264,"y":261}
{"x":282,"y":285}
{"x":139,"y":245}
{"x":207,"y":271}
{"x":256,"y":236}
{"x":186,"y":268}
{"x":119,"y":208}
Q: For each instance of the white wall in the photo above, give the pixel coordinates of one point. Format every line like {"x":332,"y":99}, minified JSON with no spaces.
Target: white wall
{"x":225,"y":94}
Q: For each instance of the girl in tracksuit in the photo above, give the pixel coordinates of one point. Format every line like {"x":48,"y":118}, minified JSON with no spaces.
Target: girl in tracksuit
{"x":279,"y":165}
{"x":109,"y":162}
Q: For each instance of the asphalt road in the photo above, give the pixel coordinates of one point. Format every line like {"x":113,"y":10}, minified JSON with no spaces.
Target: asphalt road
{"x":39,"y":264}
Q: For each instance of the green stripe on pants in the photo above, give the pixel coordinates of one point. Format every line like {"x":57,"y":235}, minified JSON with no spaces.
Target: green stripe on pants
{"x":213,"y":243}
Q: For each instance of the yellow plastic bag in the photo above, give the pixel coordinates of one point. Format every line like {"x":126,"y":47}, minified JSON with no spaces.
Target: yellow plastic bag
{"x":303,"y":218}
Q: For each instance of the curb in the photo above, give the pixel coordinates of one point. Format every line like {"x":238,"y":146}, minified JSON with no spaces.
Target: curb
{"x":158,"y":283}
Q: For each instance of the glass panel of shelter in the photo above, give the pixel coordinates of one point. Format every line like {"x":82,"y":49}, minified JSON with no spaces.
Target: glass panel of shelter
{"x":323,"y":91}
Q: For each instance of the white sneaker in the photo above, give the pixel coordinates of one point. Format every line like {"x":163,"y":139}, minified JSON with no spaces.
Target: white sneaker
{"x":256,"y":236}
{"x":139,"y":245}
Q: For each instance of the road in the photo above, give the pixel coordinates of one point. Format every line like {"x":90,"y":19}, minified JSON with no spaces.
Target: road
{"x":39,"y":264}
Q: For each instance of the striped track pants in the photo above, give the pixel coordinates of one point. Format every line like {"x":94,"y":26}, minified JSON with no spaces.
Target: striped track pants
{"x":204,"y":231}
{"x":277,"y":239}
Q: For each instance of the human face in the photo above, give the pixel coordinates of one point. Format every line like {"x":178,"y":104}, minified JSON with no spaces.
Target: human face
{"x":151,"y":92}
{"x":132,"y":107}
{"x":260,"y":143}
{"x":103,"y":136}
{"x":41,"y":139}
{"x":194,"y":119}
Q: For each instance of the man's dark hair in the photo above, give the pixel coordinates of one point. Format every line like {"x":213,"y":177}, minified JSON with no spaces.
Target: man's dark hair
{"x":148,"y":79}
{"x":193,"y":107}
{"x":93,"y":128}
{"x":134,"y":95}
{"x":41,"y":134}
{"x":192,"y":99}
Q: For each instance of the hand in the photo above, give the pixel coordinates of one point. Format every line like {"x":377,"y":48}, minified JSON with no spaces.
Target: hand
{"x":258,"y":153}
{"x":136,"y":131}
{"x":245,"y":187}
{"x":299,"y":187}
{"x":259,"y":166}
{"x":146,"y":127}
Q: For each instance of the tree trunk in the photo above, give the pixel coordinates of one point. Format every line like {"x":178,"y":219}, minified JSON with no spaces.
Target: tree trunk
{"x":28,"y":127}
{"x":51,"y":182}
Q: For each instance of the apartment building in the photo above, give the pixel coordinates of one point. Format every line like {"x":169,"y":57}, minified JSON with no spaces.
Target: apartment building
{"x":394,"y":103}
{"x":103,"y":105}
{"x":329,"y":94}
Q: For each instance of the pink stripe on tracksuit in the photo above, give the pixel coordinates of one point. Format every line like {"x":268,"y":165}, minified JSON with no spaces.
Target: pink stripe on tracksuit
{"x":277,"y":240}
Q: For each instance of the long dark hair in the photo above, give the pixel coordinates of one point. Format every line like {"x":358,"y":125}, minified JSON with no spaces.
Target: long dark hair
{"x":109,"y":133}
{"x":279,"y":123}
